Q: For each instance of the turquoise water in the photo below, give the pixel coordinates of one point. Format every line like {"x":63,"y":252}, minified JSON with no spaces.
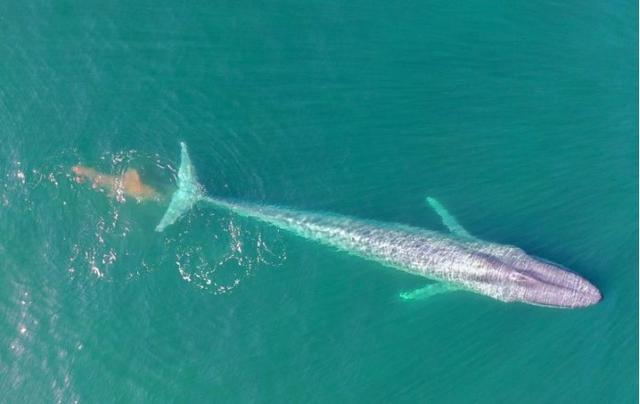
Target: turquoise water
{"x":520,"y":118}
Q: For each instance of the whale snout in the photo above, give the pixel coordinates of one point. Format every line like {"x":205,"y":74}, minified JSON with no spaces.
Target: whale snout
{"x":590,"y":295}
{"x":564,"y":290}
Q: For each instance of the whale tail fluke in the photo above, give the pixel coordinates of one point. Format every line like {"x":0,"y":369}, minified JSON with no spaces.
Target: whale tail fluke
{"x":189,"y":191}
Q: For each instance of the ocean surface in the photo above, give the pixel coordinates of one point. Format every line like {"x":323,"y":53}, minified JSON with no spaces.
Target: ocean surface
{"x":520,"y":117}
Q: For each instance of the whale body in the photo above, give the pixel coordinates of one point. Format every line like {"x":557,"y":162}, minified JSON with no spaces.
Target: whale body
{"x":455,"y":261}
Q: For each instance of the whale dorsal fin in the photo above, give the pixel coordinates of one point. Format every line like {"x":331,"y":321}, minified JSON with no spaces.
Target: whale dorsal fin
{"x":448,"y":220}
{"x":188,"y":193}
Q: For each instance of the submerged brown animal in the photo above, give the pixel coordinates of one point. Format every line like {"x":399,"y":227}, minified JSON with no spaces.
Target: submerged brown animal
{"x":128,"y":184}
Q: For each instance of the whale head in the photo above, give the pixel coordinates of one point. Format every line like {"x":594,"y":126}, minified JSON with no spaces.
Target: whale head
{"x":536,"y":281}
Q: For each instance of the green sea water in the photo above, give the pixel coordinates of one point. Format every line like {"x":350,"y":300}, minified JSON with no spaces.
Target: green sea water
{"x":520,"y":117}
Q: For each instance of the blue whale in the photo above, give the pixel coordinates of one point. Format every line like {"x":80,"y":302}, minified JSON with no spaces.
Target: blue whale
{"x":455,"y":261}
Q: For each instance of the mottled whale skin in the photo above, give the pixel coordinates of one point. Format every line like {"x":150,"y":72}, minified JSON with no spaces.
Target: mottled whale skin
{"x":456,"y":261}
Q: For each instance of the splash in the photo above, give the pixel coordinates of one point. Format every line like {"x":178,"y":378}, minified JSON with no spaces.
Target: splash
{"x":232,"y":252}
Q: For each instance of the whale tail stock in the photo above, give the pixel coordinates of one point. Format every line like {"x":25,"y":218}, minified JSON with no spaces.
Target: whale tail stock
{"x":189,"y":191}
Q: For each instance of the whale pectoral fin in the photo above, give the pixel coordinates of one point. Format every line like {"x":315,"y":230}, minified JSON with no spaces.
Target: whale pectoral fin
{"x":448,"y":220}
{"x":428,"y":291}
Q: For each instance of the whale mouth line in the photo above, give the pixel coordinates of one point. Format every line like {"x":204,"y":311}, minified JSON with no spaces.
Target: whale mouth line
{"x":563,"y":296}
{"x":552,"y":285}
